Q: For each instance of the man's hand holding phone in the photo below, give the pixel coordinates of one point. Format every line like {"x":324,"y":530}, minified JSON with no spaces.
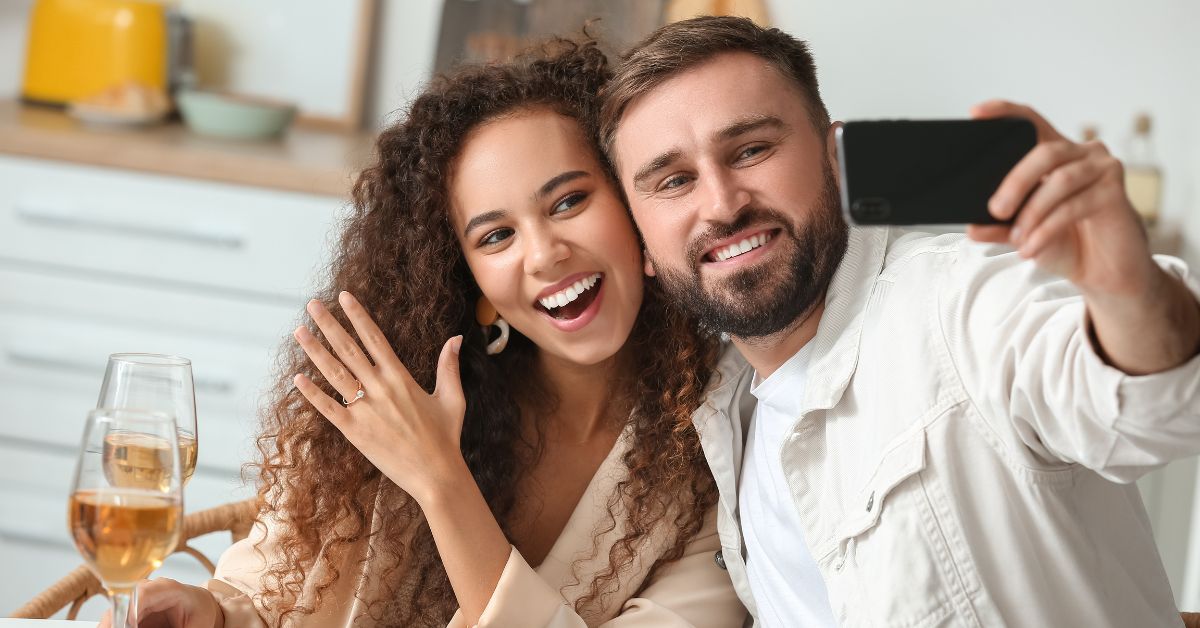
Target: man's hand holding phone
{"x":1075,"y":220}
{"x":1061,"y":204}
{"x":1071,"y":215}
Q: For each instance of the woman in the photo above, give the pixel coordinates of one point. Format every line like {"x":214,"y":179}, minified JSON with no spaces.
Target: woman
{"x":558,"y":480}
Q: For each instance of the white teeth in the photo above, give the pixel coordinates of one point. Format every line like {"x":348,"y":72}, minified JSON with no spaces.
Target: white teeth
{"x":570,"y":293}
{"x":745,"y":246}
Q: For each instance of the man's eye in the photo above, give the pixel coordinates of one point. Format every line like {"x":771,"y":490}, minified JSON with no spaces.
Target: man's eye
{"x":674,"y":182}
{"x":495,"y":237}
{"x":569,"y":202}
{"x":751,"y":152}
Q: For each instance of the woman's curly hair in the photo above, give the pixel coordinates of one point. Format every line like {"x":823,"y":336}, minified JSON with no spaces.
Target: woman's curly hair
{"x":400,"y":257}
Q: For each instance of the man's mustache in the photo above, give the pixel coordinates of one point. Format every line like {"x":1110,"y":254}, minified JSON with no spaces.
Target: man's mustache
{"x":747,"y":218}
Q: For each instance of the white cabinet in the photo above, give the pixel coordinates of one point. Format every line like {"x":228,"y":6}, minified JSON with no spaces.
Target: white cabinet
{"x":95,"y":261}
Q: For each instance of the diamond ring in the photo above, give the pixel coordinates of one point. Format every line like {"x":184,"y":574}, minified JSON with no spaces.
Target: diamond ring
{"x":359,"y":394}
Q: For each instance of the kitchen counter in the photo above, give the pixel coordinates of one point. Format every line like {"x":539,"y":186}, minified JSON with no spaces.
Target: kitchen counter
{"x":303,"y":160}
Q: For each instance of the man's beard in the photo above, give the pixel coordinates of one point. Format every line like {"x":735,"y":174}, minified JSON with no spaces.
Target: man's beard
{"x":767,"y":298}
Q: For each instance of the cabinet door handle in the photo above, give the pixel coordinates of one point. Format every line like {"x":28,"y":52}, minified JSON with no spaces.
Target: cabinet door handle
{"x":79,"y":221}
{"x":53,"y":363}
{"x":32,"y":360}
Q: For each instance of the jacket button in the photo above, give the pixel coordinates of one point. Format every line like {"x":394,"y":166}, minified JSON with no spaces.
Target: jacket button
{"x":719,"y":558}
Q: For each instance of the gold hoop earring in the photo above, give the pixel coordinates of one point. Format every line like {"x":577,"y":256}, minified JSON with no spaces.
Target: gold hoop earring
{"x":487,"y":316}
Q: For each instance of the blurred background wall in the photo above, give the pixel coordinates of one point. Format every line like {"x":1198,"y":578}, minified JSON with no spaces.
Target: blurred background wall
{"x":1095,"y":63}
{"x":1080,"y":62}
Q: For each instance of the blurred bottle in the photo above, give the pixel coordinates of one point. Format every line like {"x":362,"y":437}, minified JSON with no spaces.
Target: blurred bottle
{"x":1143,"y":176}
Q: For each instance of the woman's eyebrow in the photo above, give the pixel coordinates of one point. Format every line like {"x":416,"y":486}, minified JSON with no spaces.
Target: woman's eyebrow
{"x":482,"y":219}
{"x":556,"y":181}
{"x":542,"y":192}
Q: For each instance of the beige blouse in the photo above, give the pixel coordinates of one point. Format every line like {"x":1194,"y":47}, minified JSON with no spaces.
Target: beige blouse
{"x":693,"y":591}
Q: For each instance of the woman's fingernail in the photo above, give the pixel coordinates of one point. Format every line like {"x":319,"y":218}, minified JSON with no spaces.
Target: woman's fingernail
{"x":456,"y":344}
{"x":344,"y":296}
{"x":1015,"y":236}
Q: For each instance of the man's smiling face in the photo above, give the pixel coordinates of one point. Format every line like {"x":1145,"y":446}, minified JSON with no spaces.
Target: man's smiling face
{"x":733,"y":190}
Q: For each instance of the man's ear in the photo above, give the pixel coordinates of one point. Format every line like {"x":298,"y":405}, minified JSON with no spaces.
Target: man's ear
{"x":647,"y":266}
{"x":831,"y":150}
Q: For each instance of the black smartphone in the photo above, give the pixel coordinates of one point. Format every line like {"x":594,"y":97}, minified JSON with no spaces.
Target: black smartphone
{"x":923,"y":172}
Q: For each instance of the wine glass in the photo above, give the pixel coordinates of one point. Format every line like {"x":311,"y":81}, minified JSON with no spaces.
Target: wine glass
{"x":126,"y":505}
{"x":161,"y":383}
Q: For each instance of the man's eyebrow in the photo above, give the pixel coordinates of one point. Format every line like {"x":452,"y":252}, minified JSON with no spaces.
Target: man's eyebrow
{"x":740,"y":127}
{"x":748,"y":124}
{"x":656,"y":164}
{"x":556,"y":181}
{"x":482,"y":219}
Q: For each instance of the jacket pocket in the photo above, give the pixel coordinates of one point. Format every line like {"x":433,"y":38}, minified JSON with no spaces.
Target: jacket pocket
{"x":891,"y":563}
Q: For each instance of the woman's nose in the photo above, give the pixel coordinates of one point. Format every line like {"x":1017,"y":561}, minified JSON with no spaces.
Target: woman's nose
{"x":544,"y":250}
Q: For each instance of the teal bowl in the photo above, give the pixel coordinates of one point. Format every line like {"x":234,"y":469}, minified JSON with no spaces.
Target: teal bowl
{"x":224,"y":115}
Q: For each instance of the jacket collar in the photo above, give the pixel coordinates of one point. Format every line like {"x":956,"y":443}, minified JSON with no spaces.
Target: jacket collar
{"x":835,"y":345}
{"x":721,"y":420}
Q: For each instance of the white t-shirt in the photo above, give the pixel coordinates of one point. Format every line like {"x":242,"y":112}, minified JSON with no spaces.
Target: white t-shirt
{"x":787,"y":586}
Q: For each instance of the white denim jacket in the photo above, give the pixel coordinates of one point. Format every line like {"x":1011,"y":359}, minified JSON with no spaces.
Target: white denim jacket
{"x":965,"y":458}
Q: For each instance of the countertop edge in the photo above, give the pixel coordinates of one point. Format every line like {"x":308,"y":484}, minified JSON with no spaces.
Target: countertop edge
{"x":306,"y":162}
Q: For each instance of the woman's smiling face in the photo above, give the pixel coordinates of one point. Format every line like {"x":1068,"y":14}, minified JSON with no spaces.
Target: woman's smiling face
{"x":546,"y":235}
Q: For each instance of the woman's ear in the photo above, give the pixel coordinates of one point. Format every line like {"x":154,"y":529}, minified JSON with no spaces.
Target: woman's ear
{"x":831,"y":150}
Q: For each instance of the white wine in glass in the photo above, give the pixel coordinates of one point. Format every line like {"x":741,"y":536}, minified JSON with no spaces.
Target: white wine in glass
{"x":135,"y":460}
{"x":161,"y":383}
{"x":125,"y":529}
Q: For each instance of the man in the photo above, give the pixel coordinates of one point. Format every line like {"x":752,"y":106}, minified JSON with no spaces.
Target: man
{"x":946,"y":432}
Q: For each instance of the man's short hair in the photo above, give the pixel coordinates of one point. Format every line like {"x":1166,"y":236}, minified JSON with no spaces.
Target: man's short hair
{"x":676,"y":47}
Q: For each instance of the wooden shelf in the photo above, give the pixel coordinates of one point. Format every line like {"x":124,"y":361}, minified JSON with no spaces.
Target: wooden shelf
{"x":303,"y":160}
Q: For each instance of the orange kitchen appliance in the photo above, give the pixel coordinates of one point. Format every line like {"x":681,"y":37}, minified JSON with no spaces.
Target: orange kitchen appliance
{"x":79,"y":48}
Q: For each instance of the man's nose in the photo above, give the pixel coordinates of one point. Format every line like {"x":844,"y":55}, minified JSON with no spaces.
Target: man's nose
{"x":723,"y":197}
{"x":544,"y":249}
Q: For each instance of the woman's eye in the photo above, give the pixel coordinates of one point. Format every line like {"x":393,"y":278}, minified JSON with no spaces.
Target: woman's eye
{"x":495,"y":237}
{"x":569,"y":202}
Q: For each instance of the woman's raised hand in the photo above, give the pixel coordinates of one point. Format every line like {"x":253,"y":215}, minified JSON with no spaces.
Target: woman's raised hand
{"x":165,"y":603}
{"x":408,"y":434}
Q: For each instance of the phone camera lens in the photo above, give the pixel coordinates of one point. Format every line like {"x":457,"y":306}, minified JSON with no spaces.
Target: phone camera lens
{"x":871,"y":209}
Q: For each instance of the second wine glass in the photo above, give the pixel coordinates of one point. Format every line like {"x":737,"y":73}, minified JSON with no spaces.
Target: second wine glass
{"x":159,"y":383}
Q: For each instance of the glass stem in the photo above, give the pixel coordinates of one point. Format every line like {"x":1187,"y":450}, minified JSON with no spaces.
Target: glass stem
{"x":120,"y":610}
